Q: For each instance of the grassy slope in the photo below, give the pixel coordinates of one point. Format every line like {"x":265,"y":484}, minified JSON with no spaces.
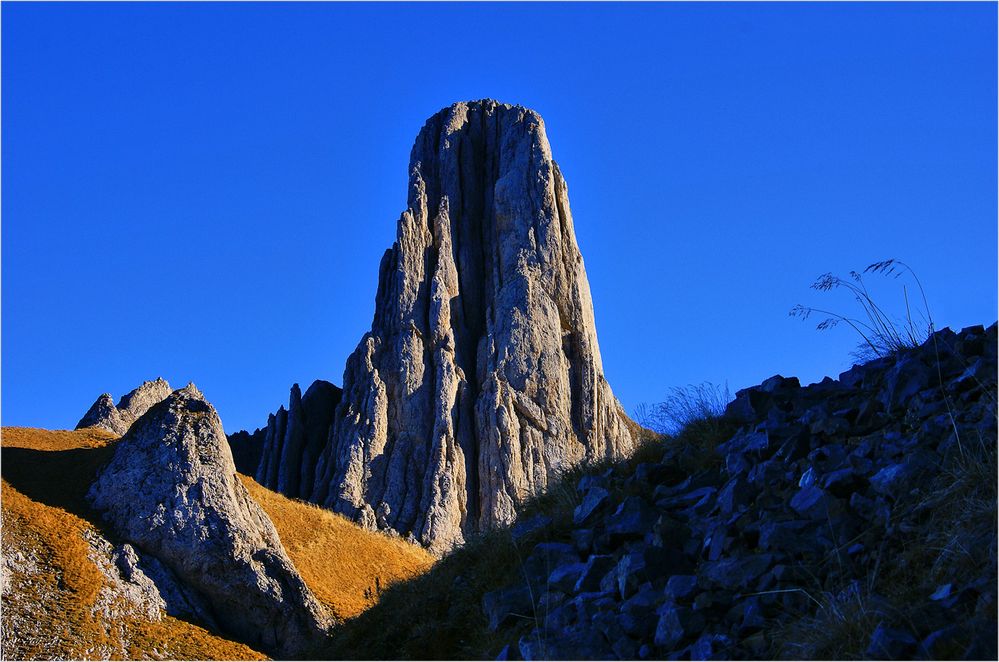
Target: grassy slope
{"x":344,"y":565}
{"x":45,"y":478}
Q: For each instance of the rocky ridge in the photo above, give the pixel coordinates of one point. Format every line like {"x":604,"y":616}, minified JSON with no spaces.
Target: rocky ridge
{"x":837,"y":508}
{"x":118,"y":418}
{"x":481,"y":378}
{"x":171,"y":491}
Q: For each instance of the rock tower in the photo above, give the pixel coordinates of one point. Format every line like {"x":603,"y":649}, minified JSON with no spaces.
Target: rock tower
{"x":481,"y":376}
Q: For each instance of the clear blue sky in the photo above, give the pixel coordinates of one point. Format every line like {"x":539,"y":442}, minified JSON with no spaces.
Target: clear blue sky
{"x":203,"y":192}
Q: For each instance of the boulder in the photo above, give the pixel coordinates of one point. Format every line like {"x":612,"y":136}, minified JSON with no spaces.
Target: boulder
{"x":812,"y":502}
{"x":564,"y":577}
{"x":595,"y":499}
{"x":638,"y":613}
{"x":681,"y":587}
{"x":632,"y":519}
{"x":525,"y":528}
{"x":676,"y":624}
{"x":710,"y":647}
{"x":737,"y":572}
{"x":889,"y":643}
{"x":545,"y":557}
{"x":171,"y":490}
{"x":507,"y":605}
{"x":596,"y":568}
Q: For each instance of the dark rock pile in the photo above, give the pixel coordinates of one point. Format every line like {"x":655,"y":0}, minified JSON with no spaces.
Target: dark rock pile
{"x":815,"y":516}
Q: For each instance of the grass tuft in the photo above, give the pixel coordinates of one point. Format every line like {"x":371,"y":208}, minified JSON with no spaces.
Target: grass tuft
{"x":692,"y":423}
{"x":684,"y":406}
{"x":882,"y":333}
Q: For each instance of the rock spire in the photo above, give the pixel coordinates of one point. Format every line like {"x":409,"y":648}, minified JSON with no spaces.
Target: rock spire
{"x":292,"y":441}
{"x":481,"y":377}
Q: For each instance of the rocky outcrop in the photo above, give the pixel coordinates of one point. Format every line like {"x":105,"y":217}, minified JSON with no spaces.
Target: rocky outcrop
{"x":103,"y":414}
{"x":135,"y":584}
{"x":117,"y":419}
{"x":836,"y":507}
{"x":171,"y":490}
{"x":481,"y":377}
{"x":290,"y":444}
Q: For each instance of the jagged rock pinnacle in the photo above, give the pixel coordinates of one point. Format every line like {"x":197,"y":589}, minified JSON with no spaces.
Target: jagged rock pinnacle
{"x":481,"y":377}
{"x":117,"y":419}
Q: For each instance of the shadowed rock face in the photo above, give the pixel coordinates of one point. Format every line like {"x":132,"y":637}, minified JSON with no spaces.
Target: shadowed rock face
{"x":117,"y":419}
{"x":247,"y":449}
{"x":293,"y":440}
{"x":171,"y":489}
{"x":481,"y":376}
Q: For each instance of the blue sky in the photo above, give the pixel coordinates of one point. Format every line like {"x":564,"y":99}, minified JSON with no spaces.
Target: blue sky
{"x":203,"y":191}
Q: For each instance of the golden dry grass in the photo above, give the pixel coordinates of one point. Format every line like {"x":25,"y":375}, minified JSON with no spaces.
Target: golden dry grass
{"x":54,"y":440}
{"x":346,"y":566}
{"x":49,"y":603}
{"x":46,"y":474}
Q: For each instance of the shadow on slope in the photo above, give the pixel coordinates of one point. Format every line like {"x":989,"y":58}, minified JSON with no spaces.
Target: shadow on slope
{"x":56,"y":467}
{"x":849,"y":519}
{"x":438,"y":615}
{"x":346,"y":567}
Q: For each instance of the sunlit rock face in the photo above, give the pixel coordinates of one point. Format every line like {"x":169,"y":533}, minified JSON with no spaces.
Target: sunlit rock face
{"x":118,"y":418}
{"x":481,"y":376}
{"x":171,"y":490}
